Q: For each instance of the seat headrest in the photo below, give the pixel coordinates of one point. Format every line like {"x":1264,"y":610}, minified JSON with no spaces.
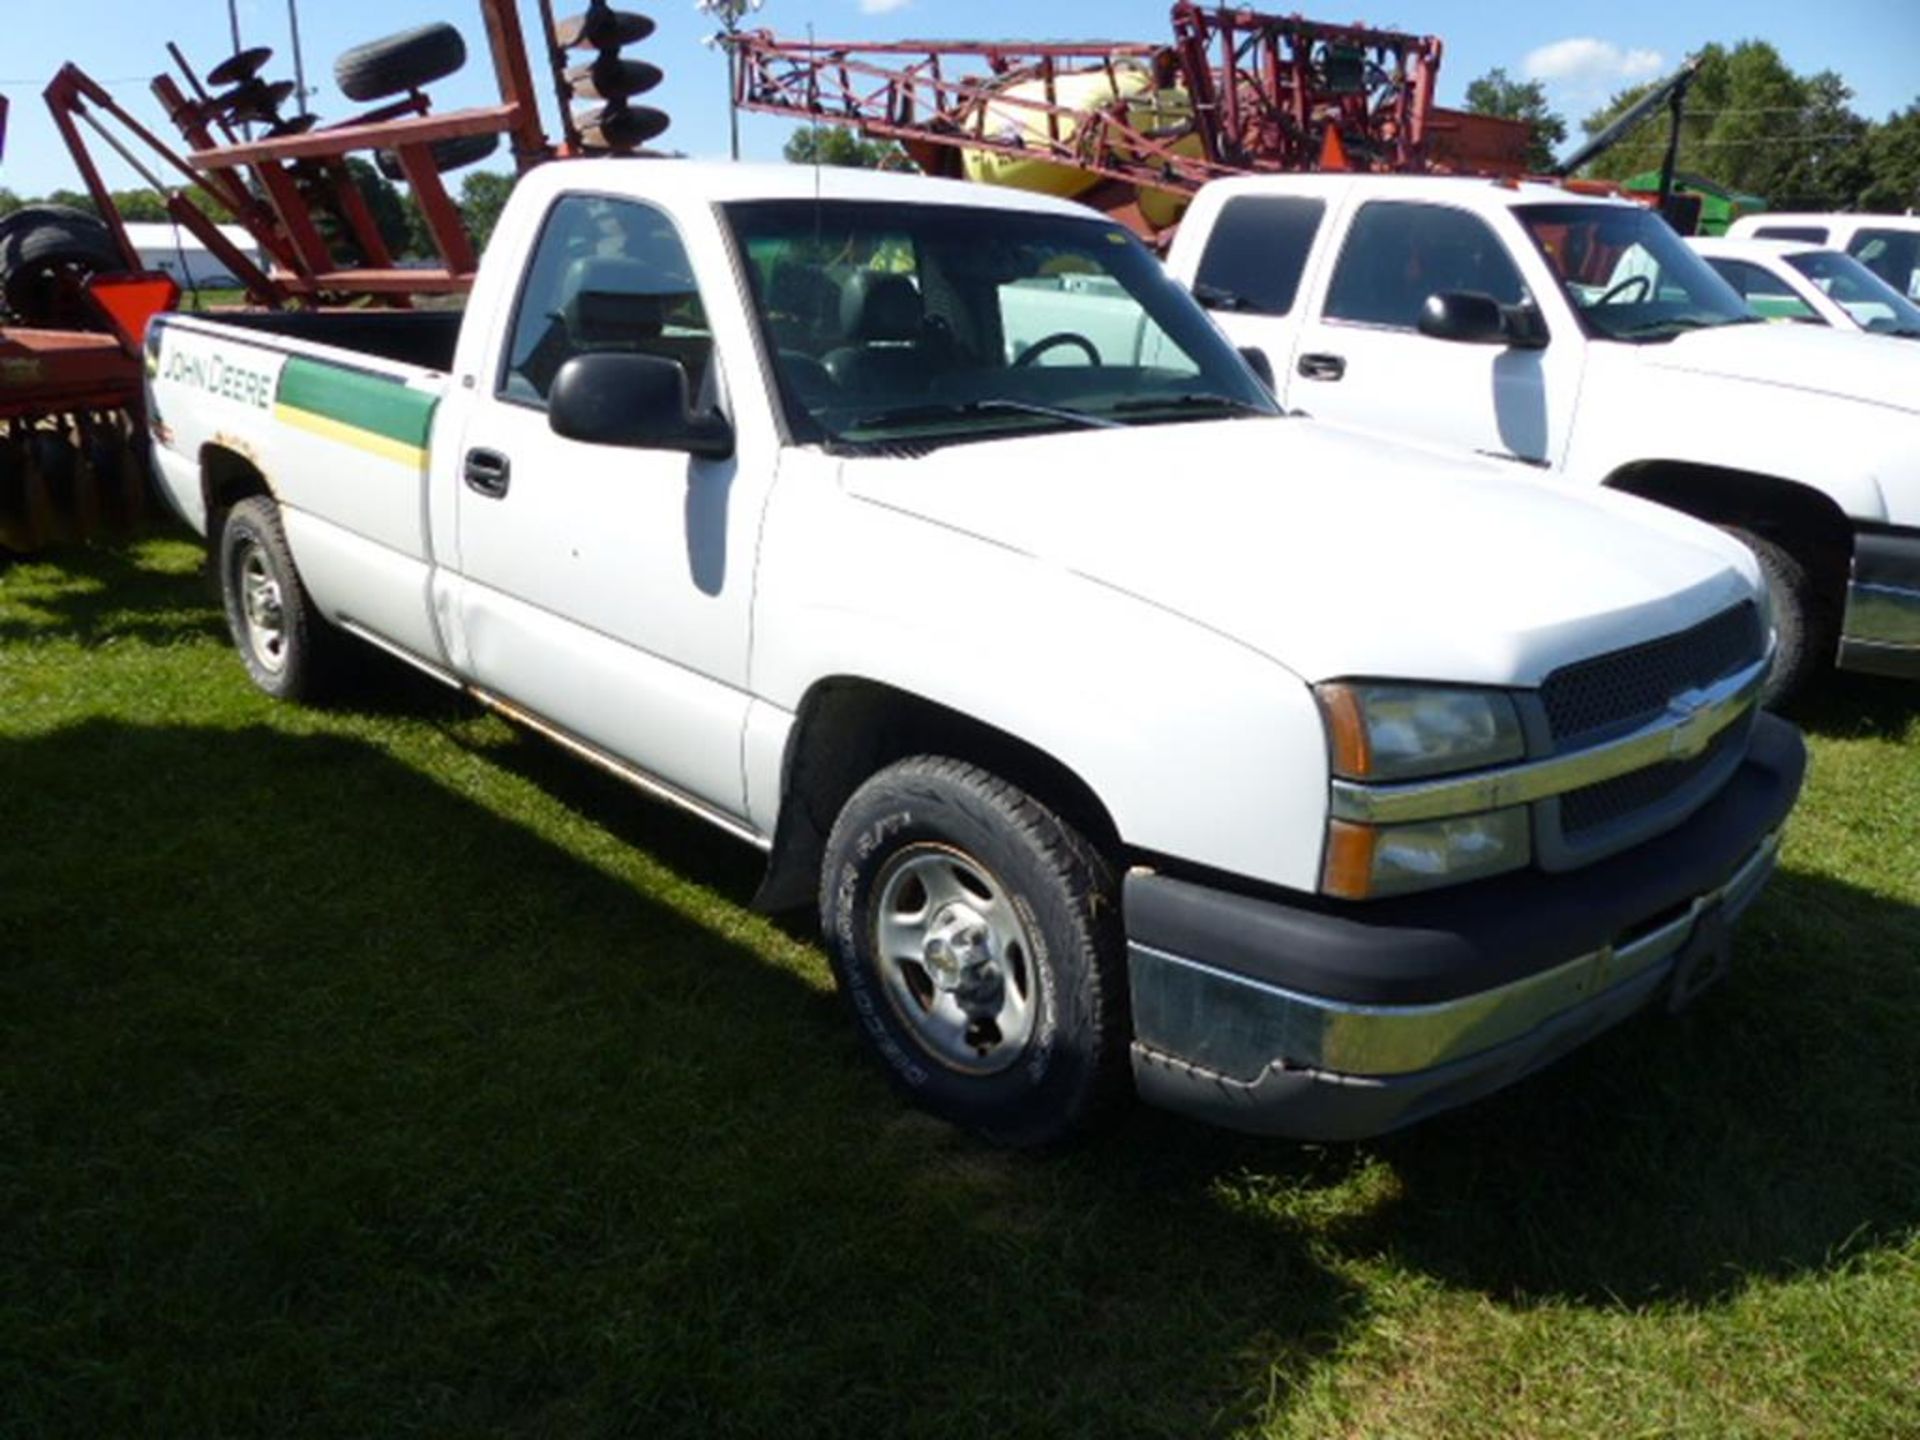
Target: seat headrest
{"x":876,"y":305}
{"x":803,"y":293}
{"x":611,"y":300}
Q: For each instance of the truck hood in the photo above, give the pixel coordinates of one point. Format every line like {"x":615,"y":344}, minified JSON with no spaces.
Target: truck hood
{"x":1332,"y":553}
{"x":1846,"y":364}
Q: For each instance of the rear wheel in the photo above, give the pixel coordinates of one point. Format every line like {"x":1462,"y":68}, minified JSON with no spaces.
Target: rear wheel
{"x":976,"y":935}
{"x":1806,"y":622}
{"x":287,"y":646}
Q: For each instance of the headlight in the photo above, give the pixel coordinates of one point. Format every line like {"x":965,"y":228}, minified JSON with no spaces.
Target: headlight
{"x":1380,"y":733}
{"x":1369,"y":862}
{"x":1404,"y":732}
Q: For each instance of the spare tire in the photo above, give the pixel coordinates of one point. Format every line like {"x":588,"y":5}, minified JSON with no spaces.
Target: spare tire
{"x":400,"y":62}
{"x":448,"y":155}
{"x":42,"y":248}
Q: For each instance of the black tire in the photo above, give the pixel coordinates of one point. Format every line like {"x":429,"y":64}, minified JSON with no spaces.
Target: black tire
{"x":448,"y":156}
{"x":304,"y":663}
{"x":1806,"y":623}
{"x":47,"y":251}
{"x":1067,"y":956}
{"x":400,"y":63}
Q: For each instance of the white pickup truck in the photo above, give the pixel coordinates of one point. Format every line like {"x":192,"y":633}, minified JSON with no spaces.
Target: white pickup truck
{"x":1580,"y":339}
{"x":1111,"y":717}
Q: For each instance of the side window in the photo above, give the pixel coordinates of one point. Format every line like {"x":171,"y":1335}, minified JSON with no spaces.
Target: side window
{"x":1397,"y":254}
{"x":1805,"y":234}
{"x":1766,"y":294}
{"x":607,"y":275}
{"x":1256,"y":253}
{"x":1893,"y":255}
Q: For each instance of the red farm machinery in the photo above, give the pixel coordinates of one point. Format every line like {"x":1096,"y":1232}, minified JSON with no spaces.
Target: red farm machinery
{"x":74,"y":293}
{"x":1131,"y":127}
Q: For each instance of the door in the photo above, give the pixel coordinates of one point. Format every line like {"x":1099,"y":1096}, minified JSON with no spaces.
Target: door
{"x":607,"y":590}
{"x":1249,"y":276}
{"x":1361,"y":360}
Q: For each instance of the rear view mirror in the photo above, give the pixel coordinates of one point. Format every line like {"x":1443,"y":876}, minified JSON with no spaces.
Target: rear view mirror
{"x":1468,"y":317}
{"x":636,"y":401}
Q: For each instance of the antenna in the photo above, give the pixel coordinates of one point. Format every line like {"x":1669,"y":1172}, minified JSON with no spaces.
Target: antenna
{"x":813,"y":126}
{"x":300,"y":90}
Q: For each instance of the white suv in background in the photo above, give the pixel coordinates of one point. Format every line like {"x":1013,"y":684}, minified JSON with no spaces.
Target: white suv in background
{"x":1810,"y":285}
{"x":1888,"y":245}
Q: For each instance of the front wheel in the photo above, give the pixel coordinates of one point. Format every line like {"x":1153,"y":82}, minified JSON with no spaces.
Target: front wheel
{"x":287,"y":646}
{"x":977,"y":937}
{"x":1806,"y":626}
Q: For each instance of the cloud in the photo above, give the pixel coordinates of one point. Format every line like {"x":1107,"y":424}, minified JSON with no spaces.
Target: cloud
{"x":1587,"y":69}
{"x":882,"y":7}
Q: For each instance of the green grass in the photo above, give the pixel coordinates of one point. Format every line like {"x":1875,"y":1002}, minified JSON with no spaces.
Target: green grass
{"x":380,"y":1071}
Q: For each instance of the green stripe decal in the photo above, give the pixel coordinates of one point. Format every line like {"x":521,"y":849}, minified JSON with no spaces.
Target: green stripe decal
{"x":366,"y":402}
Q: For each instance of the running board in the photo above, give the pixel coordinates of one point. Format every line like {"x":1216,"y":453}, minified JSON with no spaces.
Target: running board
{"x":401,"y":653}
{"x":633,"y":775}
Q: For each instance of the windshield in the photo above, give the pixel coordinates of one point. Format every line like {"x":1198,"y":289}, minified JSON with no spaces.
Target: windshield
{"x":1627,"y":274}
{"x":1873,"y":304}
{"x":936,"y":323}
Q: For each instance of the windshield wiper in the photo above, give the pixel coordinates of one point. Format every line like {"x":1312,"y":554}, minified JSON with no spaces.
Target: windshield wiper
{"x":1678,"y":323}
{"x":962,"y":409}
{"x":1194,"y":401}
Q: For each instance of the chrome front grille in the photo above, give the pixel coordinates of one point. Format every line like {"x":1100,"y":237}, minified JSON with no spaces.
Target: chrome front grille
{"x":1593,"y":701}
{"x":1587,"y":811}
{"x":1628,"y":688}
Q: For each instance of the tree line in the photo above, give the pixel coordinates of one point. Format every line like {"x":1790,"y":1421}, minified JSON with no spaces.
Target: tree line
{"x":1751,"y":124}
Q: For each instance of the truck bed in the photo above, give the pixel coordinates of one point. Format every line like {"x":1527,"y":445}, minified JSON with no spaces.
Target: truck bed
{"x":422,"y":338}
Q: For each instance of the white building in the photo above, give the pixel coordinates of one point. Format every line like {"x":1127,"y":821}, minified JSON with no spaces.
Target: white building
{"x":174,"y":251}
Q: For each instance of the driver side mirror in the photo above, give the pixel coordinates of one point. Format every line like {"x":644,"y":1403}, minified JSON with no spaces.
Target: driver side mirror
{"x":1471,"y":318}
{"x":1261,"y":366}
{"x":636,"y":401}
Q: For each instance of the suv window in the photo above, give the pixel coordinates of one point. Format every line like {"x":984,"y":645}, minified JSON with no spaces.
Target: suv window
{"x":1893,"y":255}
{"x":607,"y":275}
{"x":1805,"y":234}
{"x":1256,"y":253}
{"x":1397,"y":254}
{"x":1766,"y":294}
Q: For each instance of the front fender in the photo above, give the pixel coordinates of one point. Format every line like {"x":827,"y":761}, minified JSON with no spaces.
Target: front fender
{"x":1198,"y":747}
{"x":1865,"y":458}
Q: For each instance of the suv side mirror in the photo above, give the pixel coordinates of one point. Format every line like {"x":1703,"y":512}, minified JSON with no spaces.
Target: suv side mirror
{"x":1471,"y":318}
{"x":1261,"y":366}
{"x":637,"y":401}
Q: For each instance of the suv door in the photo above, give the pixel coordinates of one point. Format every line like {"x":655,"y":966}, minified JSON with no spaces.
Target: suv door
{"x":607,"y":590}
{"x":1361,"y":358}
{"x":1251,"y":273}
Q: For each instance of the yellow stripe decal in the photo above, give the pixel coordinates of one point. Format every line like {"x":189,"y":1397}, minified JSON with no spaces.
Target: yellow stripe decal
{"x":397,"y":451}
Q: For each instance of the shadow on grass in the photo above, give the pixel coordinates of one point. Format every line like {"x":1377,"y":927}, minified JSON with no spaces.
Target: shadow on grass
{"x":1772,"y":1129}
{"x":1846,"y":706}
{"x":331,"y":1102}
{"x":105,"y":592}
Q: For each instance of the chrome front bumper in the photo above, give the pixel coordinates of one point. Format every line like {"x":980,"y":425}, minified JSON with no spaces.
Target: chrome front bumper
{"x":1255,"y":1026}
{"x":1881,"y":634}
{"x":1338,"y":1022}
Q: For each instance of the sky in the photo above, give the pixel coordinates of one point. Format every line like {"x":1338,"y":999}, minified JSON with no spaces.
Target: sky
{"x":1582,"y":52}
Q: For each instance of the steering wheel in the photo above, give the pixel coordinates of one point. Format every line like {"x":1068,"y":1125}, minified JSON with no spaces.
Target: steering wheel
{"x":1646,"y":288}
{"x":1053,"y":342}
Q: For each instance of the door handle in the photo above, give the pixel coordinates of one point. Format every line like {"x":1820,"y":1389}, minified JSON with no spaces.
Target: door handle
{"x":1321,"y":367}
{"x":488,"y":473}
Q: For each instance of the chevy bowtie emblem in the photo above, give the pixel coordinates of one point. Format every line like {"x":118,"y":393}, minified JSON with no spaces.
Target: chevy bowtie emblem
{"x":1693,"y":728}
